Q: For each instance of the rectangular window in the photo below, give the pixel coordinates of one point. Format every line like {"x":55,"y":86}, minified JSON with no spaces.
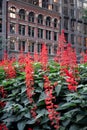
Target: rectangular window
{"x":31,"y":31}
{"x":12,"y":28}
{"x":72,"y":13}
{"x":21,"y":29}
{"x":72,"y":39}
{"x":0,"y":7}
{"x":12,"y":44}
{"x":72,"y":2}
{"x":79,"y":40}
{"x":0,"y":43}
{"x":66,"y":36}
{"x":40,"y":33}
{"x":79,"y":27}
{"x":65,"y":23}
{"x":65,"y":1}
{"x":21,"y":46}
{"x":39,"y":47}
{"x":85,"y":29}
{"x":65,"y":11}
{"x":85,"y":41}
{"x":48,"y":35}
{"x":73,"y":25}
{"x":31,"y":47}
{"x":55,"y":36}
{"x":0,"y":25}
{"x":55,"y":49}
{"x":49,"y":49}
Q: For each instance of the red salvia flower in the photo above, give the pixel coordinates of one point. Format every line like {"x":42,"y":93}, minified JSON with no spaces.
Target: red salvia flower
{"x":29,"y":77}
{"x":2,"y":104}
{"x":2,"y":92}
{"x":72,"y":84}
{"x":44,"y":56}
{"x":10,"y":71}
{"x":30,"y":129}
{"x":3,"y":127}
{"x":50,"y":106}
{"x":21,"y":58}
{"x":36,"y":57}
{"x":2,"y":95}
{"x":30,"y":82}
{"x":66,"y":55}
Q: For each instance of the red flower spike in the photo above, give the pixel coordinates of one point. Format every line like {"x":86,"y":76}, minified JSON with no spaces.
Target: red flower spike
{"x":3,"y":95}
{"x":3,"y":127}
{"x":43,"y":56}
{"x":30,"y":82}
{"x":72,"y":84}
{"x":36,"y":57}
{"x":50,"y":106}
{"x":10,"y":71}
{"x":30,"y":129}
{"x":66,"y":55}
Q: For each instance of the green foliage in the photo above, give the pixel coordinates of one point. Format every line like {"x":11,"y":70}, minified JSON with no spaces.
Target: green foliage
{"x":72,"y":105}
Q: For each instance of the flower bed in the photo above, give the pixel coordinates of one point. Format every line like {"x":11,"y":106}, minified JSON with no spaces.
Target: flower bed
{"x":37,"y":94}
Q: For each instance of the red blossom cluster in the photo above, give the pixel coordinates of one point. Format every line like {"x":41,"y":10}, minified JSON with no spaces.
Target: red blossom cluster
{"x":3,"y":95}
{"x":8,"y":66}
{"x":30,"y":82}
{"x":3,"y":127}
{"x":44,"y":57}
{"x":33,"y":111}
{"x":66,"y":55}
{"x":30,"y":129}
{"x":29,"y":77}
{"x":72,"y":84}
{"x":36,"y":57}
{"x":50,"y":106}
{"x":10,"y":71}
{"x":21,"y":58}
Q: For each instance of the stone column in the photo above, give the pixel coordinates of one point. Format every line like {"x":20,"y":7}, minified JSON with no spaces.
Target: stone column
{"x":17,"y":42}
{"x":26,"y":45}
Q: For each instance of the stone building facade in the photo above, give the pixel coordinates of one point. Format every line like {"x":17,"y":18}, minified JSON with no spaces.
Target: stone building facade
{"x":28,"y":26}
{"x":74,"y":23}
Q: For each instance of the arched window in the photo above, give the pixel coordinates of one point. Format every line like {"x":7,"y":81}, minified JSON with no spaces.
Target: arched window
{"x":31,"y":17}
{"x":22,"y":14}
{"x":40,"y":19}
{"x":55,"y":22}
{"x":48,"y":21}
{"x":13,"y":12}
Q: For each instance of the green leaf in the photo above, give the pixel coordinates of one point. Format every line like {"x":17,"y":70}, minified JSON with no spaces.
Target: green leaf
{"x":66,"y":106}
{"x":61,"y":128}
{"x":66,"y":122}
{"x":27,"y":115}
{"x":79,"y":117}
{"x":73,"y":127}
{"x":42,"y":97}
{"x":39,"y":115}
{"x":40,"y":85}
{"x":23,"y":89}
{"x":58,"y":89}
{"x":44,"y":120}
{"x":21,"y":125}
{"x":30,"y":122}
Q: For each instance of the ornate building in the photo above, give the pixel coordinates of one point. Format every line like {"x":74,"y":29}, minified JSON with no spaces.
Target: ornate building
{"x":29,"y":24}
